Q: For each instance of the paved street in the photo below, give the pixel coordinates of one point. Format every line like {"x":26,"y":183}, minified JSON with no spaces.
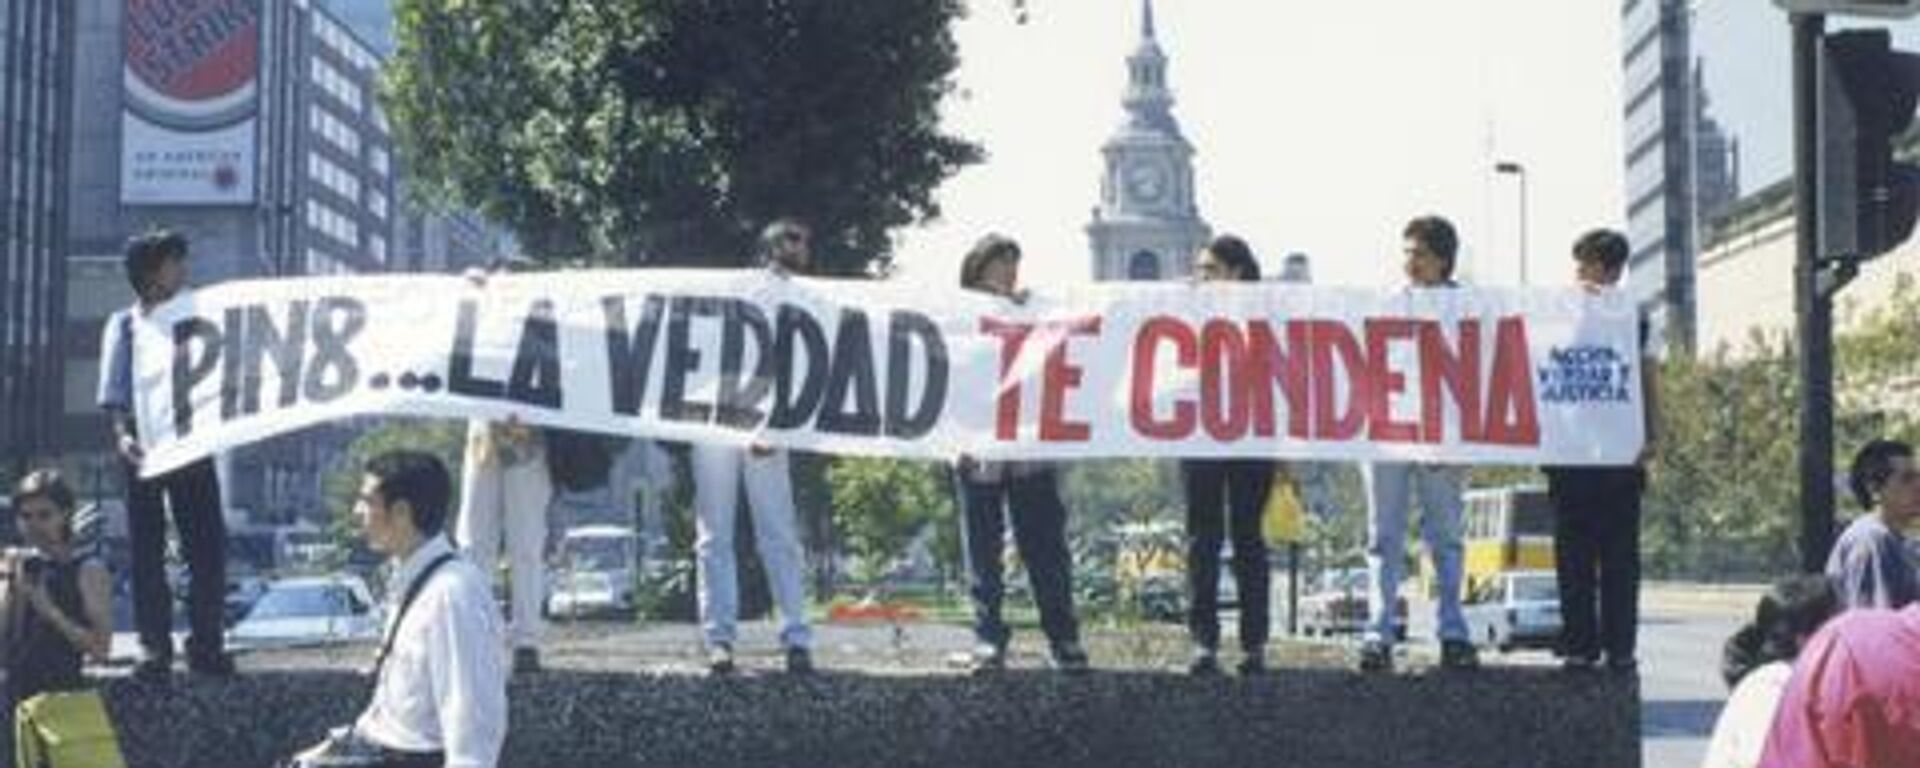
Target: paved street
{"x":1680,"y":685}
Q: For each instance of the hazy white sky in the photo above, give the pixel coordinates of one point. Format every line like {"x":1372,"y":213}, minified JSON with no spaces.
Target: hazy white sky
{"x":1320,"y":127}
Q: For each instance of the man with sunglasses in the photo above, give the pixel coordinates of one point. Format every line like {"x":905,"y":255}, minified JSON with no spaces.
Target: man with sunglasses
{"x":719,"y":471}
{"x":1871,"y":565}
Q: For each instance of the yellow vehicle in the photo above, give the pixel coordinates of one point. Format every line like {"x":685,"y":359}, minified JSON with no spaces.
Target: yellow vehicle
{"x":1506,"y":529}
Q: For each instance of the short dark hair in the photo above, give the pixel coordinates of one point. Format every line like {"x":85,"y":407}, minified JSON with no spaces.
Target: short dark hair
{"x":989,"y":249}
{"x":1794,"y":609}
{"x":1437,"y":235}
{"x":418,"y":478}
{"x":44,"y":484}
{"x":1872,"y":466}
{"x":1603,"y":245}
{"x":1236,"y":254}
{"x":145,"y":252}
{"x":771,"y":233}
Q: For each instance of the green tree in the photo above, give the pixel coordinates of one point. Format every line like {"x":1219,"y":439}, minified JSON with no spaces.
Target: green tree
{"x":881,"y":505}
{"x":441,"y":437}
{"x":1724,"y":499}
{"x":630,"y":131}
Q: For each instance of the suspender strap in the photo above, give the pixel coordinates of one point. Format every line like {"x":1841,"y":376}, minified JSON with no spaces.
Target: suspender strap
{"x":413,"y":591}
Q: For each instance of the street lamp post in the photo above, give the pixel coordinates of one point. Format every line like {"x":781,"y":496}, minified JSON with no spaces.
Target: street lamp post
{"x":1520,"y":171}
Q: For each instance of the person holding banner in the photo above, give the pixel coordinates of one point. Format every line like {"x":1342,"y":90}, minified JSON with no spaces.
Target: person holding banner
{"x":156,"y":266}
{"x":505,"y":489}
{"x":1240,"y":486}
{"x":718,"y":473}
{"x":1430,"y":245}
{"x":440,"y":680}
{"x":1596,"y":534}
{"x":1029,"y":493}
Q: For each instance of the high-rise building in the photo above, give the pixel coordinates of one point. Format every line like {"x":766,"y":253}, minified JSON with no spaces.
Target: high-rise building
{"x":1147,"y":226}
{"x":1682,"y":166}
{"x":251,"y":127}
{"x":36,"y":73}
{"x":1659,"y":147}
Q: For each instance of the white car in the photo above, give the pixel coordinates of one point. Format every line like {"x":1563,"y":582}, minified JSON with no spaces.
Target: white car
{"x":309,"y":610}
{"x":590,"y":593}
{"x":1339,"y":604}
{"x":1516,"y":609}
{"x":595,"y":572}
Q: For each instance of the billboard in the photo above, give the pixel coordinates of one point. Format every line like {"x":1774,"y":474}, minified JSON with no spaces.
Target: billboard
{"x":191,"y":102}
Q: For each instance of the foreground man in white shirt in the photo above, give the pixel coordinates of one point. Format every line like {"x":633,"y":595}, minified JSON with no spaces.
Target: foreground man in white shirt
{"x":440,"y":692}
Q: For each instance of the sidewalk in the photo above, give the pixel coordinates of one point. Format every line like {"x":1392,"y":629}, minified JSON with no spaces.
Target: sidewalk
{"x":1733,"y":601}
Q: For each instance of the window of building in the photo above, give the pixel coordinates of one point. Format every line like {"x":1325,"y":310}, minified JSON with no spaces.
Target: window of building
{"x":332,"y":176}
{"x":335,"y":131}
{"x":377,"y":203}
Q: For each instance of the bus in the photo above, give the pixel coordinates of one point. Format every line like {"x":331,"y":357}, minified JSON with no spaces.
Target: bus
{"x":1505,"y":529}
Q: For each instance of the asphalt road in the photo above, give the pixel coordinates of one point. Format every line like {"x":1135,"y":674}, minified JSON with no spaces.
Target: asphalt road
{"x":1680,"y":687}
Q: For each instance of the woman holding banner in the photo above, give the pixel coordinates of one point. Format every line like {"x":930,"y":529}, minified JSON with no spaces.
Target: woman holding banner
{"x":1026,"y":491}
{"x":1240,"y":486}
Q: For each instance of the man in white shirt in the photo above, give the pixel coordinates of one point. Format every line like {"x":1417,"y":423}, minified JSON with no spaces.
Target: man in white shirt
{"x":1430,"y":245}
{"x":440,"y":693}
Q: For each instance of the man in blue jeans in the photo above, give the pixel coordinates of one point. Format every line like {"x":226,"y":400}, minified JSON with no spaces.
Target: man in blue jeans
{"x":1026,"y":491}
{"x":1429,"y":244}
{"x":719,"y":472}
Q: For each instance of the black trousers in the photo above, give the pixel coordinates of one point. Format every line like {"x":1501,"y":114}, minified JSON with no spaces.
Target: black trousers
{"x":1040,"y":533}
{"x":1596,"y":552}
{"x":192,"y":494}
{"x":1227,"y":495}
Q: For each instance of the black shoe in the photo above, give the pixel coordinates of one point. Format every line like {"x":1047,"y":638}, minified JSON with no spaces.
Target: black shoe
{"x":720,"y":660}
{"x":799,"y":661}
{"x":215,"y":665}
{"x":153,"y":668}
{"x":1459,"y":654}
{"x":1376,"y":656}
{"x":1070,"y":658}
{"x":987,"y":658}
{"x":1254,"y":665}
{"x":526,"y":661}
{"x":1205,"y":663}
{"x":1577,"y":664}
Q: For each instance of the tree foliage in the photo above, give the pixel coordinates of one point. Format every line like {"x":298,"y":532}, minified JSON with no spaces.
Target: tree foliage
{"x":1724,"y":497}
{"x":881,"y":505}
{"x":634,"y":131}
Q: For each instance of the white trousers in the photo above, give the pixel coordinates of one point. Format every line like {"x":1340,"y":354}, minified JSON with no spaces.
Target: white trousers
{"x":718,"y":472}
{"x":514,"y":498}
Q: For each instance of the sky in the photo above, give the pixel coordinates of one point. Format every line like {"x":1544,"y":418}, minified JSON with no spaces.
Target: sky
{"x":1323,"y":127}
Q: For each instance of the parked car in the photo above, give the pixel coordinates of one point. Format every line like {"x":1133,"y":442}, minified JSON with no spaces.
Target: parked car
{"x":595,"y":573}
{"x":1338,"y":605}
{"x":1517,"y":609}
{"x":242,"y":592}
{"x":309,"y":610}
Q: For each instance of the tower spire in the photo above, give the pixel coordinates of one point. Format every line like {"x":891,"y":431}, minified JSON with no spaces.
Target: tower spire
{"x":1146,"y":19}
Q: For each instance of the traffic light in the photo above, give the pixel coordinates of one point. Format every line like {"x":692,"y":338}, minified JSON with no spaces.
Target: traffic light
{"x":1867,"y":96}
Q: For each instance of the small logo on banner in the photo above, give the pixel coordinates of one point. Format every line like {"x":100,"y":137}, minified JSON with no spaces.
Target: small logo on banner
{"x":1590,"y":373}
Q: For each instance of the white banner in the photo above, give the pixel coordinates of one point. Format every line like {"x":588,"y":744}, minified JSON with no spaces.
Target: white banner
{"x":860,"y":367}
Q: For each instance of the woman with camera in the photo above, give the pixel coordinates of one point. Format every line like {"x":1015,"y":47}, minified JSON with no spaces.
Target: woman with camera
{"x":56,"y":601}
